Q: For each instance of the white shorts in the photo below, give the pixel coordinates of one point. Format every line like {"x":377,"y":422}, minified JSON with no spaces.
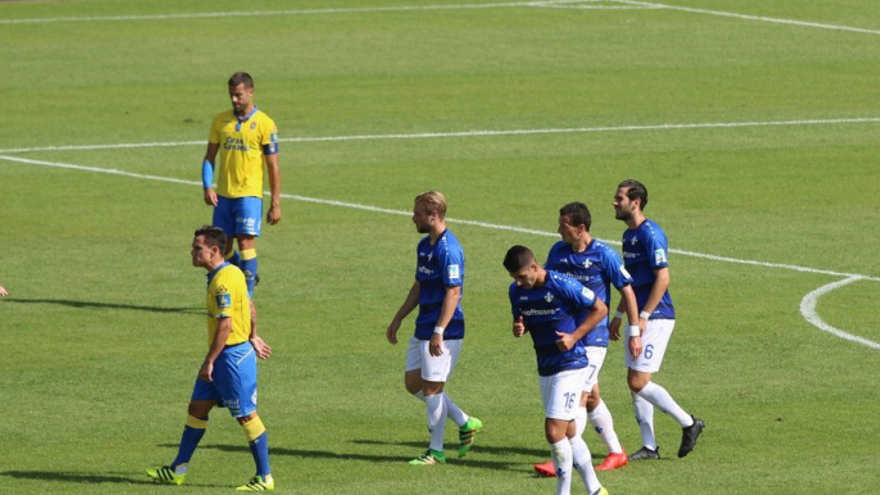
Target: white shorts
{"x":655,"y":338}
{"x":561,"y":393}
{"x":595,"y":358}
{"x":434,"y":368}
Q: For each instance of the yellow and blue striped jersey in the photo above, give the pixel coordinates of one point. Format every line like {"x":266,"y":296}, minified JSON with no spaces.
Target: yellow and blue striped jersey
{"x":243,"y":142}
{"x":227,"y":297}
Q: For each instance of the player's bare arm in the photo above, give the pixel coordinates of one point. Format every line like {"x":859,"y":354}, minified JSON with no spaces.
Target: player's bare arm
{"x":260,"y":346}
{"x":211,"y":156}
{"x":661,"y":284}
{"x":224,"y":328}
{"x":409,"y":304}
{"x":273,"y":216}
{"x":450,"y":302}
{"x":567,"y":341}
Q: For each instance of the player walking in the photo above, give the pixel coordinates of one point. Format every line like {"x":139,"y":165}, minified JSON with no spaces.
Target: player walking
{"x":550,"y":306}
{"x":597,"y":266}
{"x":228,"y":376}
{"x":434,"y":349}
{"x":645,"y":255}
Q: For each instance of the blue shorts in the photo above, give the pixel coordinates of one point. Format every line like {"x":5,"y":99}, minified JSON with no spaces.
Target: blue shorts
{"x":235,"y":381}
{"x":239,"y":215}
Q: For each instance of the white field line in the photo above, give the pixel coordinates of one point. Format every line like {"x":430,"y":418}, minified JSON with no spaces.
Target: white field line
{"x":288,"y":12}
{"x":416,"y":8}
{"x":819,"y":25}
{"x":808,"y":310}
{"x":807,"y":305}
{"x":474,"y":133}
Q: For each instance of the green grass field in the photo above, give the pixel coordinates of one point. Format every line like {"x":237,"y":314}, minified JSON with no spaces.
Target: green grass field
{"x":104,"y":326}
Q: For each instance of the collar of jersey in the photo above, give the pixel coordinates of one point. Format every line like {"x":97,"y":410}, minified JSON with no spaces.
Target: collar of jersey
{"x":246,"y":117}
{"x":214,"y":272}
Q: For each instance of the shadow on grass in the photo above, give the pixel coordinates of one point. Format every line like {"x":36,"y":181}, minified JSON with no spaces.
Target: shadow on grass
{"x":418,"y":447}
{"x":124,"y":478}
{"x":480,"y":447}
{"x":100,"y":305}
{"x":309,"y":454}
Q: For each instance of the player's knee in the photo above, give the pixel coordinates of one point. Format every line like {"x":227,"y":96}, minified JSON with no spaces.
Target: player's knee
{"x":637,"y":382}
{"x":554,"y":432}
{"x":247,"y":419}
{"x":412,"y":382}
{"x":198,"y":410}
{"x":592,"y":401}
{"x":432,"y":388}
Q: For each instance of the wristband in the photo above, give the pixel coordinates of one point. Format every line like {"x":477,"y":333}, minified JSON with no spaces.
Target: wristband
{"x":634,"y":331}
{"x":619,"y":315}
{"x":207,"y":174}
{"x":645,"y":315}
{"x":439,"y":330}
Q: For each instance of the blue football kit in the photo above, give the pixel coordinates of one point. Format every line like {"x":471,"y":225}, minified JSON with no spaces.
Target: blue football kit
{"x":439,"y":266}
{"x":646,"y":249}
{"x":597,"y":268}
{"x":552,"y":308}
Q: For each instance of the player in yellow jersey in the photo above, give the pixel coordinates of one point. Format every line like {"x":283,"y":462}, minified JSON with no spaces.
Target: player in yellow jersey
{"x":245,"y":138}
{"x":228,"y":375}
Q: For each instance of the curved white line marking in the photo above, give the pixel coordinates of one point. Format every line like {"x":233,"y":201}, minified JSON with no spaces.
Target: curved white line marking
{"x":808,"y":304}
{"x":808,"y":310}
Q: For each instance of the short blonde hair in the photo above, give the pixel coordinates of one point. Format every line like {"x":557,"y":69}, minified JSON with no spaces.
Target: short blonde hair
{"x":434,"y":201}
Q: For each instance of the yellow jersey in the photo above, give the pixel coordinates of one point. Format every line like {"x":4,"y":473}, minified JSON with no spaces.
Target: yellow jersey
{"x":243,"y":144}
{"x":227,"y":297}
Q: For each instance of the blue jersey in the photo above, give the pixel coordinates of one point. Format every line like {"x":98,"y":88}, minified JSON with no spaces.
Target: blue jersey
{"x":597,"y":267}
{"x":646,"y":249}
{"x":552,"y":308}
{"x":439,"y":266}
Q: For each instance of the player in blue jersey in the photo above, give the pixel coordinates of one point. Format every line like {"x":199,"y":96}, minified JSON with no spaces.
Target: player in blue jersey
{"x":434,"y":349}
{"x":597,"y":266}
{"x":557,"y":311}
{"x":646,"y":257}
{"x":228,"y":375}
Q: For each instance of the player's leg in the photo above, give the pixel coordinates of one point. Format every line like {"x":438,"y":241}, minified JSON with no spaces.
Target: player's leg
{"x":412,"y":376}
{"x":248,"y":212}
{"x":468,"y":426}
{"x":600,"y":418}
{"x":582,"y":462}
{"x":655,"y":342}
{"x":235,"y":375}
{"x":225,"y":219}
{"x":204,"y":398}
{"x":560,"y":393}
{"x":555,"y":430}
{"x":434,"y":372}
{"x":247,"y":246}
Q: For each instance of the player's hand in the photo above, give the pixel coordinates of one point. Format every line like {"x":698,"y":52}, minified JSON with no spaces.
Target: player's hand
{"x":566,"y":342}
{"x":273,"y":216}
{"x":643,"y":325}
{"x":614,"y":329}
{"x":210,"y":197}
{"x":519,"y":328}
{"x":3,"y":292}
{"x":261,"y":347}
{"x":435,"y":345}
{"x":206,"y":371}
{"x":635,"y":347}
{"x":391,"y":333}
